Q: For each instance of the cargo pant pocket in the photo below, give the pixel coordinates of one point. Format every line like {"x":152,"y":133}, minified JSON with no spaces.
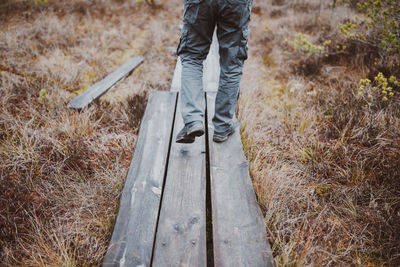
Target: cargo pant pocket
{"x":191,"y":11}
{"x":243,"y":47}
{"x":183,"y":40}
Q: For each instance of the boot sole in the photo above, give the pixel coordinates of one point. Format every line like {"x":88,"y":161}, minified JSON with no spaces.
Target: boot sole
{"x":190,"y":137}
{"x":223,"y":138}
{"x":185,"y":141}
{"x":196,"y":133}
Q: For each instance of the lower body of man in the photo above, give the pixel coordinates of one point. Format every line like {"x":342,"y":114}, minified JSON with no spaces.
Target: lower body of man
{"x":232,"y":18}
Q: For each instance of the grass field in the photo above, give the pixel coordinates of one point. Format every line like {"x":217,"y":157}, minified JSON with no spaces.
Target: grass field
{"x":324,"y":159}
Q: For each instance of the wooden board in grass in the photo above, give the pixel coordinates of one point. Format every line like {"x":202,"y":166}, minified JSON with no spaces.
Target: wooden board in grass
{"x":181,"y":234}
{"x":239,"y":232}
{"x":133,"y":236}
{"x":102,"y":86}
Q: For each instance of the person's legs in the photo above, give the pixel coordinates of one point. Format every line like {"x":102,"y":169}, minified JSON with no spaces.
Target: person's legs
{"x":232,"y":31}
{"x":198,"y":27}
{"x":194,"y":45}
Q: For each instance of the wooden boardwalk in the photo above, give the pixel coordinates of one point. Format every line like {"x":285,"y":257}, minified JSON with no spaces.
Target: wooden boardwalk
{"x":239,"y":233}
{"x":164,"y":209}
{"x":181,"y":235}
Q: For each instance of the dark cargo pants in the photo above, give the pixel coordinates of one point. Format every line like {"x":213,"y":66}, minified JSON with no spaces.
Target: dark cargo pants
{"x":232,"y":18}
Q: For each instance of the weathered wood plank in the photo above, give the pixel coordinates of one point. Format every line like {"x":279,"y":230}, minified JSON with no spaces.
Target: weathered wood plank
{"x":239,"y":232}
{"x":133,"y":237}
{"x":176,"y":79}
{"x":210,"y":71}
{"x":211,"y":67}
{"x":181,"y":234}
{"x":102,"y":86}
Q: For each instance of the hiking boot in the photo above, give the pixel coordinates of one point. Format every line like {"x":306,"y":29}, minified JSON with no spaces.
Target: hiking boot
{"x":189,"y":132}
{"x":219,"y":138}
{"x":222,"y":137}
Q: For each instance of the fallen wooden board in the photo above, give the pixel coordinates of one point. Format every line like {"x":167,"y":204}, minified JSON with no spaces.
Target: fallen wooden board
{"x":133,"y":236}
{"x":102,"y":86}
{"x":210,"y":71}
{"x":239,"y":231}
{"x":181,"y":234}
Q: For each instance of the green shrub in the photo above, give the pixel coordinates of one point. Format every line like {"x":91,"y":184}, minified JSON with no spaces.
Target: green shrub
{"x":378,"y":91}
{"x":302,"y":44}
{"x":381,"y":29}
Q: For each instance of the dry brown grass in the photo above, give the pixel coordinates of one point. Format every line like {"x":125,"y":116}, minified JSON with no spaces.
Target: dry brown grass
{"x":325,"y":168}
{"x":62,"y":171}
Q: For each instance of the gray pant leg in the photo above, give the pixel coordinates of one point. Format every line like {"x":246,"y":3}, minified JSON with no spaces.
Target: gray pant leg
{"x":194,"y":45}
{"x":232,"y":32}
{"x":191,"y":95}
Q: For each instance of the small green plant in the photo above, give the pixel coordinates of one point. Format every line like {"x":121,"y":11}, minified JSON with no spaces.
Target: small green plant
{"x":341,"y":48}
{"x":43,"y":96}
{"x":41,"y":2}
{"x":350,"y":30}
{"x":381,"y":89}
{"x":302,"y":44}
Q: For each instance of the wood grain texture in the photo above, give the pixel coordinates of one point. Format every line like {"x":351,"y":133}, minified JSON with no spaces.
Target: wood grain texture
{"x":134,"y":231}
{"x":102,"y":86}
{"x":239,"y":231}
{"x":210,"y":71}
{"x":181,"y":234}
